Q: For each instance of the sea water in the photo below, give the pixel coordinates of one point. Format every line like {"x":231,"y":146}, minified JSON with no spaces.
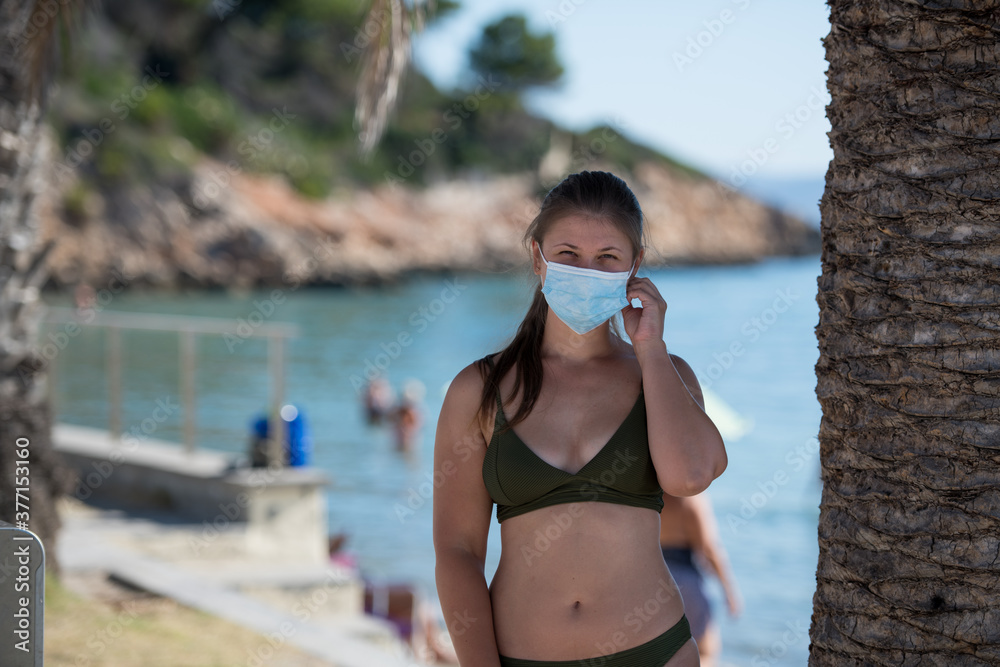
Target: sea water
{"x":746,"y":330}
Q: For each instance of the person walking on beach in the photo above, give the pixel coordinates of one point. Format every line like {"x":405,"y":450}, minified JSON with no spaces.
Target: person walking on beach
{"x":690,"y":543}
{"x":603,"y":429}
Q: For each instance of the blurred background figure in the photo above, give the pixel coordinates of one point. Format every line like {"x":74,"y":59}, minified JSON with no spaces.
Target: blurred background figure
{"x":258,"y":442}
{"x":378,"y":400}
{"x":690,"y":544}
{"x":435,"y":645}
{"x":84,"y":296}
{"x":407,"y":415}
{"x":339,"y":555}
{"x":413,"y":617}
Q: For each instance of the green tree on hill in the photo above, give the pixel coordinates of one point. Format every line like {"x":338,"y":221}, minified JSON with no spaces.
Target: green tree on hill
{"x":509,"y":52}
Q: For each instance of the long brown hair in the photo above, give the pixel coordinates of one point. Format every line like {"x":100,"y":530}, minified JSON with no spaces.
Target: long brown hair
{"x":597,"y":194}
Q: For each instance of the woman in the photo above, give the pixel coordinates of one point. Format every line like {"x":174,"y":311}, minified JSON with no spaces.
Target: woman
{"x":688,"y":539}
{"x":602,"y":429}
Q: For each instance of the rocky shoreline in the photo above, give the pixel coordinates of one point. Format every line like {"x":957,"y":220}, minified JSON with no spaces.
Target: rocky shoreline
{"x":226,"y":228}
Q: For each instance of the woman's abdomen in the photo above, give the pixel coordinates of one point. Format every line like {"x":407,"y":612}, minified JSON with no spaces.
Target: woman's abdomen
{"x":581,"y":580}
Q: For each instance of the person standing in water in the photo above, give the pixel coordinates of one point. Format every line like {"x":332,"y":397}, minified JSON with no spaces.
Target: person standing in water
{"x":377,"y":400}
{"x":689,"y":541}
{"x":603,"y":428}
{"x":407,"y":416}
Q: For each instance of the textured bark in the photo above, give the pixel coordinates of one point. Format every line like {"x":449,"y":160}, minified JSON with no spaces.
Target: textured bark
{"x":909,"y":528}
{"x":25,"y":60}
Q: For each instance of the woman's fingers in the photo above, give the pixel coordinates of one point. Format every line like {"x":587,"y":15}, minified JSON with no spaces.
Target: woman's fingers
{"x":644,"y":290}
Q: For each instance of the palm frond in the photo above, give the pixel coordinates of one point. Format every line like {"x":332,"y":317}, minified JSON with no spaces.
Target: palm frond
{"x":384,"y":62}
{"x":33,"y":42}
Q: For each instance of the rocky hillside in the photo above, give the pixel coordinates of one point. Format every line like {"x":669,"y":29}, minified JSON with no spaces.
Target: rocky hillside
{"x":241,"y":229}
{"x":216,"y":148}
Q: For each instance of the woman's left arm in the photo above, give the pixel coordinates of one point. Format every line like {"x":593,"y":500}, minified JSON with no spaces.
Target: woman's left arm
{"x":686,"y":447}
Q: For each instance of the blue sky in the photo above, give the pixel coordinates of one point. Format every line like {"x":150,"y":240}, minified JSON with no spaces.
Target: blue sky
{"x":733,"y":87}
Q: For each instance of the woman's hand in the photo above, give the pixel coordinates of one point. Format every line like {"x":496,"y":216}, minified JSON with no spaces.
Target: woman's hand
{"x":644,"y":325}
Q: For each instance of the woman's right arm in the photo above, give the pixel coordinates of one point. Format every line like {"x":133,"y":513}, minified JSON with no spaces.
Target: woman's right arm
{"x":462,"y":512}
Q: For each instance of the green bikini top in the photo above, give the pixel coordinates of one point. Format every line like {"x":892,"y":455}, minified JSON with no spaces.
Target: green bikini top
{"x":519,"y":481}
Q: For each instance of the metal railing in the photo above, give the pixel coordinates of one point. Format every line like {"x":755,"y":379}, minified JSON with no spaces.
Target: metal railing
{"x":186,"y":327}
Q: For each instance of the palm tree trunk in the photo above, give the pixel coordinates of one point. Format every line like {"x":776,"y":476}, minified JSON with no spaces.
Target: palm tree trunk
{"x":25,"y":418}
{"x":909,"y":528}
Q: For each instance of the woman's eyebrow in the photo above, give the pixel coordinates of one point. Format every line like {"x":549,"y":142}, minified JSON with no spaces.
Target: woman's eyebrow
{"x":570,"y":245}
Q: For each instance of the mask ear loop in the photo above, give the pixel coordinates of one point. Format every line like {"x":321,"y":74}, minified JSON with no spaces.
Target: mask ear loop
{"x":630,"y":276}
{"x":545,"y":261}
{"x":634,"y":262}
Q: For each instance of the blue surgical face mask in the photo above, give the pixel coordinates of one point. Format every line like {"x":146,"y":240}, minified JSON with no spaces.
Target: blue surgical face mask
{"x":583,"y":298}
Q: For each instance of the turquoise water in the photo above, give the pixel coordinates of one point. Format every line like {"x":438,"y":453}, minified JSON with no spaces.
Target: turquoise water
{"x":748,"y":331}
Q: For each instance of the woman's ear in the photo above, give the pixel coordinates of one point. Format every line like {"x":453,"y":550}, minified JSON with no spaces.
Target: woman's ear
{"x":638,"y":262}
{"x":536,"y":257}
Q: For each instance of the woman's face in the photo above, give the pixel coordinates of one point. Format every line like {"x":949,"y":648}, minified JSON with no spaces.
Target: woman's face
{"x":587,"y":243}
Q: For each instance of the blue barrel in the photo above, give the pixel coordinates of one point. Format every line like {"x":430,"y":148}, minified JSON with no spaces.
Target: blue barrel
{"x":298,"y":439}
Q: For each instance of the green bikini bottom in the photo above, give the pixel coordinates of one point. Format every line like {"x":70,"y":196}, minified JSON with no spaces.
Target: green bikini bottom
{"x":654,"y":653}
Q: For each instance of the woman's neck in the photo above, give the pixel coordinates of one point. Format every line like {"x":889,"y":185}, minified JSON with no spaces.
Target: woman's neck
{"x":561,"y":342}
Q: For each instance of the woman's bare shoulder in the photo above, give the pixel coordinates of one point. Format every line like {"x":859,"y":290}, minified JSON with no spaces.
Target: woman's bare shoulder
{"x":464,"y":395}
{"x":683,"y":367}
{"x":690,"y":379}
{"x":472,"y":376}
